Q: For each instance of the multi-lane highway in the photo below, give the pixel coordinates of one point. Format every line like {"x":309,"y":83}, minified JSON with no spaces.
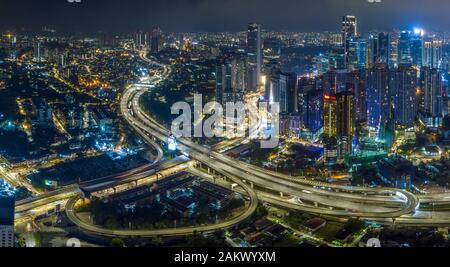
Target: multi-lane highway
{"x":181,"y":231}
{"x":385,"y":205}
{"x":352,"y":201}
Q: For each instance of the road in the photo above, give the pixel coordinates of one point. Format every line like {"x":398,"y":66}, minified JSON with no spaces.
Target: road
{"x":353,"y":201}
{"x":182,"y":231}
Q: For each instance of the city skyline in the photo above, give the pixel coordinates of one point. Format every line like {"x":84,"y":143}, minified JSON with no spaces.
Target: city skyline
{"x":159,"y":136}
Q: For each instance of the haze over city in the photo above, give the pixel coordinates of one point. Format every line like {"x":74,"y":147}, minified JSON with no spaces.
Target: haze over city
{"x":90,"y":16}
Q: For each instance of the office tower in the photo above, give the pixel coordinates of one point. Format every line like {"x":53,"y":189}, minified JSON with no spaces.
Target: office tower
{"x":377,"y":95}
{"x":138,"y":40}
{"x":305,"y":85}
{"x":230,"y":80}
{"x":410,"y":47}
{"x":417,"y":47}
{"x":292,"y":92}
{"x":312,"y":115}
{"x":349,"y":26}
{"x":378,"y":49}
{"x":356,"y":85}
{"x":323,"y":64}
{"x":224,"y":89}
{"x":393,"y":50}
{"x":255,"y":56}
{"x":404,"y":48}
{"x":155,"y":43}
{"x":431,"y":97}
{"x":346,"y":118}
{"x":357,"y":54}
{"x":310,"y":107}
{"x":433,"y":54}
{"x":278,"y":91}
{"x":294,"y":124}
{"x":330,"y":116}
{"x":37,"y":53}
{"x":337,"y":58}
{"x":334,"y":81}
{"x":404,"y":89}
{"x":349,"y":31}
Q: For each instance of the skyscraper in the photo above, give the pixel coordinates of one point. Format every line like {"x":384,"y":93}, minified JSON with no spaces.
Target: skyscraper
{"x":255,"y":56}
{"x":377,"y":95}
{"x":281,"y":88}
{"x":404,"y":48}
{"x":431,"y":97}
{"x":433,"y":55}
{"x":417,"y":47}
{"x":155,"y":44}
{"x":349,"y":27}
{"x":410,"y":47}
{"x":404,"y":88}
{"x":378,"y":49}
{"x":345,"y":121}
{"x":357,"y":54}
{"x":356,"y":85}
{"x":330,"y":116}
{"x":230,"y":80}
{"x":349,"y":31}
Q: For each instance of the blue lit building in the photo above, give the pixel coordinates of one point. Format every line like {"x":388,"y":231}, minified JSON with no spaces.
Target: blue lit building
{"x":404,"y":48}
{"x":377,"y":95}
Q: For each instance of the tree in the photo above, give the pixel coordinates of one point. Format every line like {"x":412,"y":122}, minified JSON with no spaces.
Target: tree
{"x":354,"y":225}
{"x":117,"y":243}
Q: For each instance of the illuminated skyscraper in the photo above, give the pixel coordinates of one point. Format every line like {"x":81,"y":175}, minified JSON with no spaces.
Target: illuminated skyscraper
{"x":345,"y":121}
{"x":410,"y":48}
{"x":417,"y":47}
{"x":404,"y":48}
{"x":431,"y":97}
{"x":377,"y":95}
{"x":349,"y":32}
{"x":349,"y":27}
{"x":255,"y":55}
{"x":356,"y":85}
{"x":230,"y":80}
{"x":433,"y":54}
{"x":404,"y":88}
{"x":357,"y":54}
{"x":330,"y":116}
{"x":282,"y":88}
{"x":378,"y":49}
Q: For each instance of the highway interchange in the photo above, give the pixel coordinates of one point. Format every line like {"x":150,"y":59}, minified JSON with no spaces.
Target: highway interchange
{"x":382,"y":205}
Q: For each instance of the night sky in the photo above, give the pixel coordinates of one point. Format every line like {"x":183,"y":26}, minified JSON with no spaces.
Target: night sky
{"x":221,"y":15}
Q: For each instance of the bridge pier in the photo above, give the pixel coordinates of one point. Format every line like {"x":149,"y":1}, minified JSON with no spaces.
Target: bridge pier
{"x":281,"y":194}
{"x":316,"y":204}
